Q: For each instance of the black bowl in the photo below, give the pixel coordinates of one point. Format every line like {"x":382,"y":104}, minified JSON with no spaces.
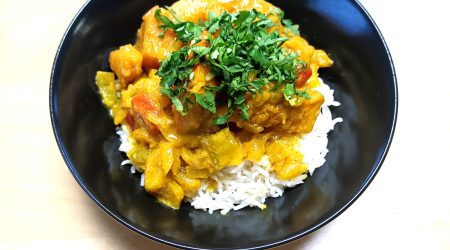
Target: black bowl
{"x":364,"y":81}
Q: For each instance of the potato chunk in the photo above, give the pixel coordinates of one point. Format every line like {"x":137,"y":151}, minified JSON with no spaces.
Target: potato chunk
{"x":269,"y":110}
{"x":126,"y":62}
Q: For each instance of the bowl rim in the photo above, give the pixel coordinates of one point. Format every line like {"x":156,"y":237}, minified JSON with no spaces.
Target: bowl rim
{"x":53,"y":105}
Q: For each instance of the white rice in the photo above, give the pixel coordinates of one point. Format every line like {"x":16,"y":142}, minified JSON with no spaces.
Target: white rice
{"x":250,"y":183}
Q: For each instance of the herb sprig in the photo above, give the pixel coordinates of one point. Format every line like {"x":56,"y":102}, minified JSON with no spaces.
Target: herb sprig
{"x":243,"y":46}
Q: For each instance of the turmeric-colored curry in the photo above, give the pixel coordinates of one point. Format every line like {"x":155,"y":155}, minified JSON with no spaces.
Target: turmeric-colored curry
{"x":210,"y":83}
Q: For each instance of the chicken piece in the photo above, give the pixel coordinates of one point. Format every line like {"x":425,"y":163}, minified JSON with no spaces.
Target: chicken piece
{"x":126,"y":62}
{"x":153,"y":47}
{"x":196,"y":121}
{"x":149,"y":86}
{"x":301,"y":118}
{"x":189,"y":122}
{"x":269,"y":110}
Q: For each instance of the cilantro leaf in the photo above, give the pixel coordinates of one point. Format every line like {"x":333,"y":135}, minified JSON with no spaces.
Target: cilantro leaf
{"x":207,"y":101}
{"x":185,"y":31}
{"x":289,"y":90}
{"x":222,"y":119}
{"x":294,"y":28}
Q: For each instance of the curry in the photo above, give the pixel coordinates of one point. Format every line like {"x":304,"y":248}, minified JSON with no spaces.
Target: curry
{"x":209,"y":84}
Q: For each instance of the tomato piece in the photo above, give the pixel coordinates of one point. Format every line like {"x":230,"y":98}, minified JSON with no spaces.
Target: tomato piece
{"x":303,"y":76}
{"x":144,"y":107}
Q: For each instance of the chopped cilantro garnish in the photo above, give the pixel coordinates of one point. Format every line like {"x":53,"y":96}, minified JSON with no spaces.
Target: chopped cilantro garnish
{"x":186,"y":31}
{"x":242,"y":45}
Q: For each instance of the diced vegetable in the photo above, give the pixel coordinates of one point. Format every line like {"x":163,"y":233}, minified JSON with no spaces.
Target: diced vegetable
{"x":189,"y":185}
{"x":146,"y":108}
{"x":287,"y":171}
{"x":107,"y":87}
{"x":141,"y":135}
{"x":176,"y":165}
{"x":197,"y":159}
{"x":223,"y":149}
{"x":166,"y":156}
{"x":171,"y":194}
{"x":255,"y":148}
{"x":303,"y":76}
{"x":195,"y":173}
{"x":155,"y":177}
{"x":138,"y":155}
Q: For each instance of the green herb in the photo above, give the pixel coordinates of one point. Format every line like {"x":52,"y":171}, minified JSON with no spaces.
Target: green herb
{"x":290,"y":91}
{"x":244,"y":45}
{"x":294,"y":28}
{"x":185,"y":31}
{"x":207,"y":101}
{"x":288,"y":24}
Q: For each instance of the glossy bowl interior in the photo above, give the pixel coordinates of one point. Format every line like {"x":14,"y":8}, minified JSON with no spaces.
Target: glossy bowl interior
{"x":364,"y":81}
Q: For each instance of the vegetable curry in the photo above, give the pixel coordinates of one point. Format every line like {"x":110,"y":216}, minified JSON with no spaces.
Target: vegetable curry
{"x":209,"y":84}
